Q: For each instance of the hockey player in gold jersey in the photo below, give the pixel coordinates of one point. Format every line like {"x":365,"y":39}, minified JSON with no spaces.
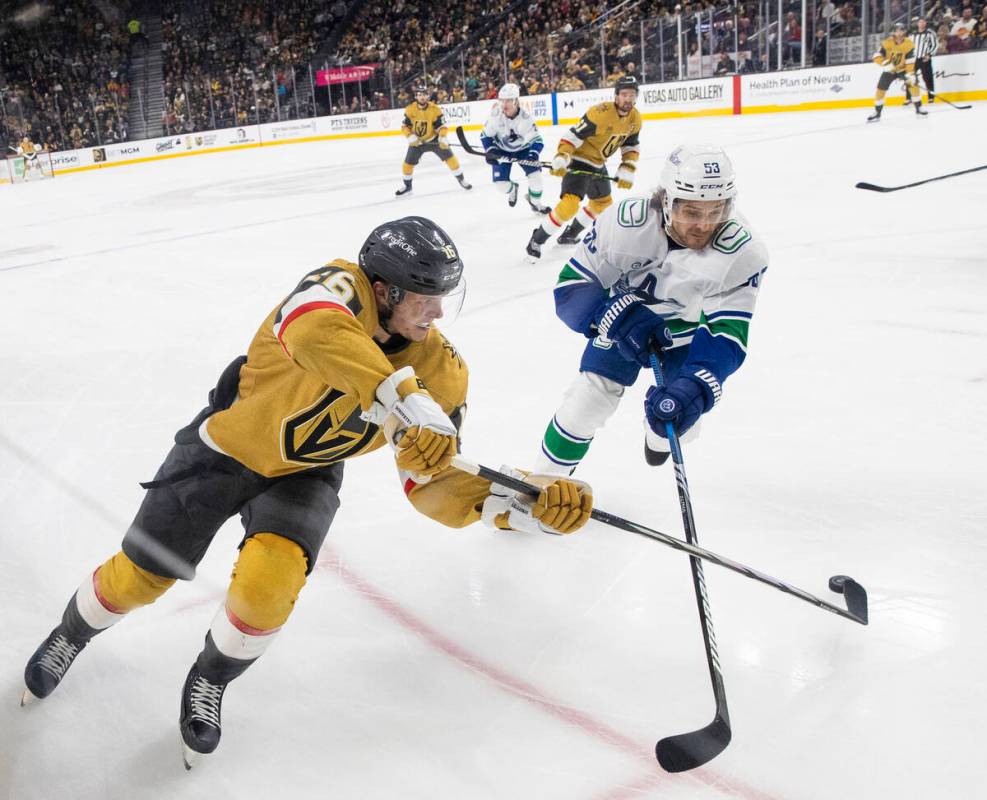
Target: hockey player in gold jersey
{"x":897,"y":59}
{"x":425,"y":129}
{"x":349,"y":362}
{"x":581,"y":162}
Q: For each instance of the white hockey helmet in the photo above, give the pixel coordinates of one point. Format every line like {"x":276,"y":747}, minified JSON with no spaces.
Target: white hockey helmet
{"x":696,"y":173}
{"x":509,"y":91}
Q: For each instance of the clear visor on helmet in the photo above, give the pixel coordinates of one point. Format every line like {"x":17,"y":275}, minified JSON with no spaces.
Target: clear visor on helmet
{"x":508,"y":104}
{"x":701,"y":212}
{"x":443,"y":309}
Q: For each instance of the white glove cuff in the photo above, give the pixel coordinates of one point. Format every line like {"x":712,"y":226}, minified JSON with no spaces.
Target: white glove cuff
{"x":387,"y":391}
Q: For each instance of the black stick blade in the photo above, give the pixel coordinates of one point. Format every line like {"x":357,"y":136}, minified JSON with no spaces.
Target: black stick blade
{"x":687,"y":751}
{"x":856,"y":599}
{"x":874,"y":187}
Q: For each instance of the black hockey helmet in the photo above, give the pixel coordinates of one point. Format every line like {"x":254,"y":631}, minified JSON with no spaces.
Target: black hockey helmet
{"x":625,"y":82}
{"x":412,"y":254}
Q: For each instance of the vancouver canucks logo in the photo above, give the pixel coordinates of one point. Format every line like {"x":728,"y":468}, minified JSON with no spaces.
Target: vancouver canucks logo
{"x":329,"y":431}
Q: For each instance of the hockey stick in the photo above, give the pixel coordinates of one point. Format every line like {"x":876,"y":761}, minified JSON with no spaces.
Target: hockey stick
{"x":875,"y":188}
{"x":947,"y":102}
{"x":475,"y":151}
{"x":856,"y":596}
{"x":686,"y":751}
{"x":954,"y":105}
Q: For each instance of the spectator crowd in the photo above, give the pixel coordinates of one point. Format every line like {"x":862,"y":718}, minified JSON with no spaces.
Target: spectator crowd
{"x":230,"y":62}
{"x":63,"y":73}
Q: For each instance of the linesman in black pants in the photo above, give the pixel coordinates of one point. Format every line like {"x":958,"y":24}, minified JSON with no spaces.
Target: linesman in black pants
{"x":926,"y":45}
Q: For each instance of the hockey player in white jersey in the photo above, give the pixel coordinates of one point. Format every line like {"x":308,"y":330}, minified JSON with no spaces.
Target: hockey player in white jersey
{"x":510,"y":133}
{"x":679,"y":271}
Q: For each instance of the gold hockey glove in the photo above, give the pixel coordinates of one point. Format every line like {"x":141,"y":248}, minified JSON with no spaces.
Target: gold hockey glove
{"x":563,"y":506}
{"x":421,"y":433}
{"x":560,"y":165}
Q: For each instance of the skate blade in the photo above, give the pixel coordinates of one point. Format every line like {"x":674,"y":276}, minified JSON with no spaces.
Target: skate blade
{"x":189,"y":756}
{"x":28,"y":697}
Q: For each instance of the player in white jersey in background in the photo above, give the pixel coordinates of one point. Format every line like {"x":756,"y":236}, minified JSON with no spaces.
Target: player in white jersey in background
{"x":510,"y":132}
{"x":679,"y":270}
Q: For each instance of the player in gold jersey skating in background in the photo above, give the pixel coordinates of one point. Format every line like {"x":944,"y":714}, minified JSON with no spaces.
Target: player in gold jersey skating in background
{"x":425,"y":129}
{"x":581,"y":162}
{"x":897,"y":58}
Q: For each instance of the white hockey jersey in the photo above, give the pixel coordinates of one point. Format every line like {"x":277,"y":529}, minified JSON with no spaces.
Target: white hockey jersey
{"x":510,"y":134}
{"x":707,"y":296}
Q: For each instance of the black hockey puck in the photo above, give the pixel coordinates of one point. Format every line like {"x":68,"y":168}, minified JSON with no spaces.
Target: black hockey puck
{"x":836,"y":583}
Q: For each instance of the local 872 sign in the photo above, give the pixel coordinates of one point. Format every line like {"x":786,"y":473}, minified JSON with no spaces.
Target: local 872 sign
{"x":361,"y":72}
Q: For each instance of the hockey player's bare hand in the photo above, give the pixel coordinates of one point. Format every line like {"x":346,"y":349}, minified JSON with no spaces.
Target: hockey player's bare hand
{"x":564,"y":506}
{"x":424,"y":451}
{"x":560,"y":165}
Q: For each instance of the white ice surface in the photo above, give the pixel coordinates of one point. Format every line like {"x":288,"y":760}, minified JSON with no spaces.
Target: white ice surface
{"x":428,"y":663}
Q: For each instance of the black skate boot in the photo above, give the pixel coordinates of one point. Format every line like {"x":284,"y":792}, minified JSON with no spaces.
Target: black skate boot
{"x":463,"y":182}
{"x":46,"y":668}
{"x":406,"y":189}
{"x":536,"y":207}
{"x":512,"y":195}
{"x":655,"y":458}
{"x":876,"y":116}
{"x":50,"y":662}
{"x":538,"y":238}
{"x":571,"y":234}
{"x":919,"y":111}
{"x":202,"y":702}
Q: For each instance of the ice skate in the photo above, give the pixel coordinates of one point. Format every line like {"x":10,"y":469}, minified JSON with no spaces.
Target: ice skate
{"x":202,"y":703}
{"x":48,"y":665}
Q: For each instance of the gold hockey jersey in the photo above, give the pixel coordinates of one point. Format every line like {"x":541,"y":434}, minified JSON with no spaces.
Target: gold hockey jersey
{"x":902,"y":54}
{"x":600,"y":133}
{"x":426,"y":123}
{"x":313,"y":368}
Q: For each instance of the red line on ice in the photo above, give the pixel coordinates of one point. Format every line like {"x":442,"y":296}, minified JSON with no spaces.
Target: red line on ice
{"x":330,"y":560}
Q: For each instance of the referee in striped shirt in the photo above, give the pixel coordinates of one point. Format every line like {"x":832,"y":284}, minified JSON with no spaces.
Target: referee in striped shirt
{"x":926,"y":44}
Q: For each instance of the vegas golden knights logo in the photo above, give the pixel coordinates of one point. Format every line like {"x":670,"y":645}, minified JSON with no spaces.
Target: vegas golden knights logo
{"x":421,"y":128}
{"x":612,"y":144}
{"x":329,"y":431}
